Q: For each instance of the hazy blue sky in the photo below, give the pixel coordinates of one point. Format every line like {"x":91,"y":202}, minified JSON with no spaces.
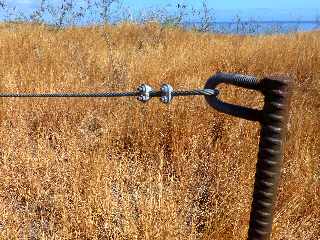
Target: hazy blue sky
{"x":232,"y":4}
{"x":228,"y":9}
{"x":225,"y":9}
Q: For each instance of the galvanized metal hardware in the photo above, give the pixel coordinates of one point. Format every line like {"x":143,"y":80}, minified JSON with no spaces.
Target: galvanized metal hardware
{"x":273,"y":120}
{"x":144,"y":93}
{"x":166,"y":93}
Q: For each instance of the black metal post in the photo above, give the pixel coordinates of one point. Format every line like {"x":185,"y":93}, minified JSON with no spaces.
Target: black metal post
{"x":273,"y":126}
{"x":273,"y":120}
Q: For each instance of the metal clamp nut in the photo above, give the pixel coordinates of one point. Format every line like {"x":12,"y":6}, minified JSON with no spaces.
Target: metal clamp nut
{"x":166,"y":93}
{"x":144,"y":92}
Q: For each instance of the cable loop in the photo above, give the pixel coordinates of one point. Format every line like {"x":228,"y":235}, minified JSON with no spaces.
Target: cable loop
{"x":239,"y":80}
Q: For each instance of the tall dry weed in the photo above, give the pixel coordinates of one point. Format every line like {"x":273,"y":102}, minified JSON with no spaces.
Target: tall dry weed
{"x":119,"y":169}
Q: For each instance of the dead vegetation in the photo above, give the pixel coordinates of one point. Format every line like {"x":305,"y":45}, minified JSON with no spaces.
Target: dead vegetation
{"x":119,"y":169}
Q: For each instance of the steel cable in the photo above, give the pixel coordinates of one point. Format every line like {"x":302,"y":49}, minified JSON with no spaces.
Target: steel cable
{"x":194,"y":92}
{"x":67,"y":95}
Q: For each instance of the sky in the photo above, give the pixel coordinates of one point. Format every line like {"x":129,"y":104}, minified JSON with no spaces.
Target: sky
{"x":283,"y":10}
{"x":233,"y":4}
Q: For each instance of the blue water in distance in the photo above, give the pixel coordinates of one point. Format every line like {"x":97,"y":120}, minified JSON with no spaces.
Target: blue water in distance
{"x":258,"y":27}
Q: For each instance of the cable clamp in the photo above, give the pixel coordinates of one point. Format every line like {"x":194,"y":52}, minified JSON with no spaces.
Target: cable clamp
{"x":166,"y":93}
{"x":144,"y":93}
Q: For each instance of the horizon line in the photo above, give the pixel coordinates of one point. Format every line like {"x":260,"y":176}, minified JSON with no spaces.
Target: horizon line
{"x":261,"y":21}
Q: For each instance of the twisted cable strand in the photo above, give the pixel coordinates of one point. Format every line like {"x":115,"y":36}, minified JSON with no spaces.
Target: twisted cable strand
{"x":194,"y":92}
{"x":58,"y":95}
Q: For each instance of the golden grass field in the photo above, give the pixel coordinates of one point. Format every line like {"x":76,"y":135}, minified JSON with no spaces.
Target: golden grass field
{"x":120,"y":169}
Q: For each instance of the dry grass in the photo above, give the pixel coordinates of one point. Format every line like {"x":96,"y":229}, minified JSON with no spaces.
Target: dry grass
{"x":119,"y":169}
